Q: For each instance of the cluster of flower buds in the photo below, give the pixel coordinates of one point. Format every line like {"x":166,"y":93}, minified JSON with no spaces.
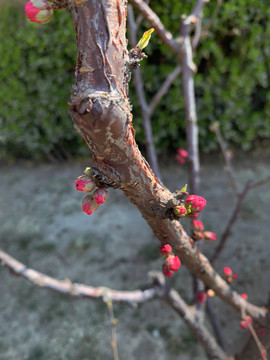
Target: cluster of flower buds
{"x":230,"y":276}
{"x":39,"y":11}
{"x":91,"y":202}
{"x":172,"y":262}
{"x":181,"y":156}
{"x":244,"y":323}
{"x":197,"y":228}
{"x":191,"y":208}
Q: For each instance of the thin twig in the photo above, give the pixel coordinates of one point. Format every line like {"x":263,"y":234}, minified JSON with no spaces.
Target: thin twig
{"x":155,"y":22}
{"x":164,"y":88}
{"x":230,"y":224}
{"x":228,"y":168}
{"x":145,"y":112}
{"x":216,"y":325}
{"x":249,"y":186}
{"x":66,"y":287}
{"x":113,"y":321}
{"x":213,"y":17}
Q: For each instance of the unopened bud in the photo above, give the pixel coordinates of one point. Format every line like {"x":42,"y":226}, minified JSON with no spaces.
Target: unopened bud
{"x":180,"y":211}
{"x":165,"y":249}
{"x":39,"y":11}
{"x":89,"y":205}
{"x":85,"y":184}
{"x":100,"y":195}
{"x":209,"y":236}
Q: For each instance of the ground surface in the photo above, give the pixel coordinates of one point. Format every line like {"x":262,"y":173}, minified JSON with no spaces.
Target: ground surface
{"x":42,"y":225}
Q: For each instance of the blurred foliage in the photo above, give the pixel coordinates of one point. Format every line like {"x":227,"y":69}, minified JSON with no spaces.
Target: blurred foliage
{"x":232,"y":82}
{"x":36,"y":73}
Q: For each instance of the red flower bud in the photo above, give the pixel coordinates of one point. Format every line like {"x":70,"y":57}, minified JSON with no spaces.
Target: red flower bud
{"x":89,"y":205}
{"x":100,"y":195}
{"x":243,"y":324}
{"x":197,"y":225}
{"x":165,"y":249}
{"x":167,"y":270}
{"x":85,"y":184}
{"x":227,"y":271}
{"x":209,"y":236}
{"x":182,"y":153}
{"x":201,"y":297}
{"x":181,"y":156}
{"x":261,"y":332}
{"x":244,"y":296}
{"x":38,"y":11}
{"x":195,"y":203}
{"x":180,"y":211}
{"x":173,"y":262}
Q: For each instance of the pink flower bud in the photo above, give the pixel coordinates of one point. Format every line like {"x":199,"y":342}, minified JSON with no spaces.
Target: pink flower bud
{"x":181,"y":156}
{"x":167,"y":270}
{"x":209,"y":236}
{"x":89,"y":205}
{"x":197,"y":225}
{"x":227,"y":271}
{"x":173,"y":262}
{"x":182,"y":153}
{"x":38,"y":11}
{"x":180,"y":211}
{"x":244,"y":296}
{"x":165,"y":249}
{"x":201,"y":297}
{"x":243,"y":324}
{"x":195,"y":203}
{"x":100,"y":195}
{"x":85,"y":184}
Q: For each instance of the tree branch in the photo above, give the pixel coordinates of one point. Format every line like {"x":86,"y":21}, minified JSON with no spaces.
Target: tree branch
{"x":158,"y":289}
{"x":145,"y":111}
{"x":215,"y":127}
{"x":164,"y":88}
{"x":224,"y":237}
{"x":66,"y":287}
{"x":155,"y":22}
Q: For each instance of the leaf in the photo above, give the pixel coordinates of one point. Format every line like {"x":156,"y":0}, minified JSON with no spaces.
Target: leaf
{"x":145,"y":39}
{"x":184,"y":189}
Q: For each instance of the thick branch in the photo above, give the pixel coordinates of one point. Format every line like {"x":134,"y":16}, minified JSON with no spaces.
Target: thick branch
{"x":104,"y":120}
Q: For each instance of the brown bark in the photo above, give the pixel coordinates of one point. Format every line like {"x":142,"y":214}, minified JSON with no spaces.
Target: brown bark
{"x":102,"y":115}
